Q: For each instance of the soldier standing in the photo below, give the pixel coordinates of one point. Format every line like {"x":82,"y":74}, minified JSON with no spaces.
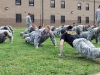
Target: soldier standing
{"x":97,"y":16}
{"x":28,"y":20}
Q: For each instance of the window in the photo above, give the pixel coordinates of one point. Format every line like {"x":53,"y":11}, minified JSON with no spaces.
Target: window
{"x":31,"y":2}
{"x":62,"y":19}
{"x":79,"y":19}
{"x":79,"y":6}
{"x":18,"y":18}
{"x":87,"y":6}
{"x":52,"y":3}
{"x":18,"y":2}
{"x":52,"y":18}
{"x":62,"y":4}
{"x":87,"y":19}
{"x":32,"y":17}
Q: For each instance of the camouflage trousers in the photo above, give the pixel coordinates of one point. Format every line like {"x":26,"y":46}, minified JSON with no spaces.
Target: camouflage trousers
{"x":98,"y":23}
{"x":86,"y":48}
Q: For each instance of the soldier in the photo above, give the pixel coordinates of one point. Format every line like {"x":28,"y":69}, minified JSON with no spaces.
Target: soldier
{"x":4,"y":34}
{"x":80,"y":28}
{"x":12,"y":30}
{"x":97,"y":16}
{"x":5,"y":28}
{"x":57,"y":30}
{"x":74,"y":24}
{"x":84,"y":34}
{"x":81,"y":45}
{"x":39,"y":36}
{"x":52,"y":28}
{"x":92,"y":34}
{"x":28,"y":20}
{"x":29,"y":30}
{"x":95,"y":32}
{"x":91,"y":27}
{"x":40,"y":27}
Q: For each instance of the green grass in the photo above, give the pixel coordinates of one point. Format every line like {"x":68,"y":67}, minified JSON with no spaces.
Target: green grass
{"x":20,"y":58}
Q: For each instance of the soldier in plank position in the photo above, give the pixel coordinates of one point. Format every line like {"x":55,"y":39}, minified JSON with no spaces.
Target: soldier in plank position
{"x":81,"y":45}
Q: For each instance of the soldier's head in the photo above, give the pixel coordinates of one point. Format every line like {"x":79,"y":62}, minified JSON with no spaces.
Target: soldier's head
{"x":29,"y":14}
{"x":63,"y":30}
{"x":99,"y":29}
{"x":74,"y":24}
{"x":5,"y":28}
{"x":99,"y":6}
{"x":33,"y":28}
{"x":40,"y":27}
{"x":86,"y":27}
{"x":5,"y":34}
{"x":47,"y":29}
{"x":69,"y":27}
{"x":95,"y":25}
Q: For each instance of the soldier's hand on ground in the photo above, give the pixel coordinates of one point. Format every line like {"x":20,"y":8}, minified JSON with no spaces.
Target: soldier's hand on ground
{"x":59,"y":54}
{"x":55,"y":46}
{"x":36,"y":47}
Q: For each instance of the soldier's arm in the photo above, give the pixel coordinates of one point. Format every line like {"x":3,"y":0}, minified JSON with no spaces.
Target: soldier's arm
{"x":36,"y":41}
{"x":97,"y":37}
{"x":89,"y":37}
{"x":11,"y":29}
{"x":61,"y":47}
{"x":10,"y":36}
{"x":30,"y":20}
{"x":52,"y":37}
{"x":96,"y":15}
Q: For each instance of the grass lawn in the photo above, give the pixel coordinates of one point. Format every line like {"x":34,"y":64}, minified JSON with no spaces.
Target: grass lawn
{"x":20,"y":58}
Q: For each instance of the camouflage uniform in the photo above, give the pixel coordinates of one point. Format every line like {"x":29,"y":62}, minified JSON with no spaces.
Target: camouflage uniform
{"x":97,"y":16}
{"x":28,"y":21}
{"x":86,"y":48}
{"x":94,"y":33}
{"x":79,"y":29}
{"x":27,"y":31}
{"x":10,"y":36}
{"x":39,"y":36}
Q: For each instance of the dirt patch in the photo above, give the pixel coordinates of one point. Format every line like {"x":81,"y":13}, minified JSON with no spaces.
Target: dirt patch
{"x":96,"y":74}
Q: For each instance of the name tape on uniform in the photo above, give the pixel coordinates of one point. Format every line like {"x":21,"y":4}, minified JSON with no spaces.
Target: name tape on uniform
{"x":71,"y":32}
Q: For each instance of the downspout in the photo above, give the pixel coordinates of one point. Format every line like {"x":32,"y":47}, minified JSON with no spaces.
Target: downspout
{"x":42,"y":13}
{"x":94,"y":11}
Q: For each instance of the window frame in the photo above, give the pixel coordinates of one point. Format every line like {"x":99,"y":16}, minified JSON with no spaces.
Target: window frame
{"x":79,"y":6}
{"x":87,"y":19}
{"x":32,"y":18}
{"x":62,"y":19}
{"x":52,"y":3}
{"x":79,"y":19}
{"x":31,"y":3}
{"x":52,"y":19}
{"x":87,"y":6}
{"x":62,"y":4}
{"x":18,"y":3}
{"x":18,"y":19}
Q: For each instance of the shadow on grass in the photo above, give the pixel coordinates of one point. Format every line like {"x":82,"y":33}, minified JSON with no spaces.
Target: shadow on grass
{"x":78,"y":56}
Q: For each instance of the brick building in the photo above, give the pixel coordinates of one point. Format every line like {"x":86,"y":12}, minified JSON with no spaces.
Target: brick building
{"x":52,"y":12}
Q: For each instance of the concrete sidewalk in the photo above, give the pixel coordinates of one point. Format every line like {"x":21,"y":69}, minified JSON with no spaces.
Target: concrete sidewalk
{"x":96,"y":74}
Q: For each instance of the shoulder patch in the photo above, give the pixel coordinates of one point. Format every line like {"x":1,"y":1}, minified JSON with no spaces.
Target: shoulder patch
{"x":71,"y":32}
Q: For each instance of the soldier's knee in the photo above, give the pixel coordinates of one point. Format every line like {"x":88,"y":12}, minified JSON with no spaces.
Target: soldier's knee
{"x":21,"y":33}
